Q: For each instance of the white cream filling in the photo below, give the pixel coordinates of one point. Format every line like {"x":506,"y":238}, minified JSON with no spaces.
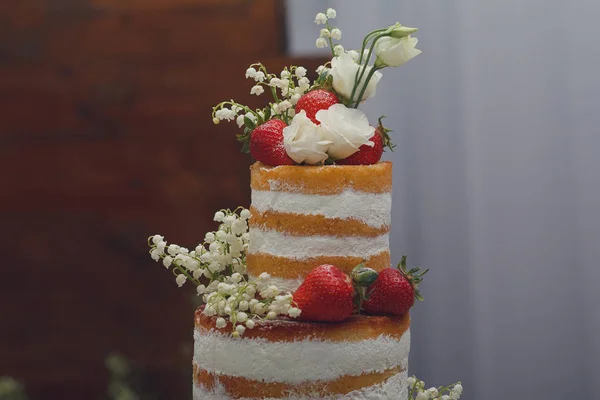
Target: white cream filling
{"x":302,"y":247}
{"x":395,"y":388}
{"x":284,"y":284}
{"x":373,"y":209}
{"x":298,"y":361}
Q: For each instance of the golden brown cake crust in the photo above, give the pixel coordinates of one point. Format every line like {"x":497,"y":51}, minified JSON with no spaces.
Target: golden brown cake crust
{"x":328,"y":179}
{"x":310,"y":225}
{"x":239,"y":387}
{"x":282,"y":267}
{"x":354,"y":329}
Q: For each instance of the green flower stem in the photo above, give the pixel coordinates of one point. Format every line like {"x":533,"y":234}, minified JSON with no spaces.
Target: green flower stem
{"x":180,"y":270}
{"x":233,"y":103}
{"x":237,"y":300}
{"x":366,"y":40}
{"x":362,"y":92}
{"x":268,"y":78}
{"x":412,"y":390}
{"x":357,"y":78}
{"x":274,"y":92}
{"x":329,"y":38}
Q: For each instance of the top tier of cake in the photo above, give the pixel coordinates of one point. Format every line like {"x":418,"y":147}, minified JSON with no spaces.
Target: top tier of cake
{"x":305,"y":216}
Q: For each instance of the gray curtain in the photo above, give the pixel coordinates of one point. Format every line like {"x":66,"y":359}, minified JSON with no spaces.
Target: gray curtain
{"x":496,"y":186}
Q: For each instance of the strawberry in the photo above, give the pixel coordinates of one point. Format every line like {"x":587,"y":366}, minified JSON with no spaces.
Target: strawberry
{"x":394,"y":291}
{"x":266,"y":143}
{"x":367,"y":155}
{"x":314,"y":101}
{"x":326,"y":295}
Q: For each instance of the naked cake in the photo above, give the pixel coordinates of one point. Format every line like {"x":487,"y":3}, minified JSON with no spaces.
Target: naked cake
{"x":300,"y":300}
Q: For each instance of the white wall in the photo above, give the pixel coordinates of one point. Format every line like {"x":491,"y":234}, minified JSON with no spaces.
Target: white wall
{"x":496,"y":185}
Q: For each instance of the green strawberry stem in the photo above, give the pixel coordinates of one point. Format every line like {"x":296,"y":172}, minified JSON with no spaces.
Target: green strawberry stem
{"x":360,"y":298}
{"x":362,"y":278}
{"x":387,"y":140}
{"x":414,"y":276}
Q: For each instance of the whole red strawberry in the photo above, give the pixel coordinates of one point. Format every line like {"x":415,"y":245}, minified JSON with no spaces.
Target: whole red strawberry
{"x":325,"y":295}
{"x":394,"y":291}
{"x":266,"y":144}
{"x":367,"y":155}
{"x":314,"y":101}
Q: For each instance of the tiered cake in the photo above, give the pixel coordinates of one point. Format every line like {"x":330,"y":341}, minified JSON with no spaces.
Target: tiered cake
{"x":299,"y":298}
{"x":302,"y":217}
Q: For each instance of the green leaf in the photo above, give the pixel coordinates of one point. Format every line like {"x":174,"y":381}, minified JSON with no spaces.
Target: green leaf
{"x":249,"y":123}
{"x":246,"y":147}
{"x":323,"y":77}
{"x":267,"y":112}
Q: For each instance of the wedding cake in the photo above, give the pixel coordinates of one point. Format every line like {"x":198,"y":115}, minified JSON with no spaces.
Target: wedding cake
{"x":300,"y":300}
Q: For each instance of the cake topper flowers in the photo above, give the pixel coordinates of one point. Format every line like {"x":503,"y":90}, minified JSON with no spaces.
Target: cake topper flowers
{"x":318,"y":122}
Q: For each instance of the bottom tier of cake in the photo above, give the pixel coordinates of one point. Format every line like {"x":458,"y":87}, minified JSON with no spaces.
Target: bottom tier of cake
{"x":362,"y":358}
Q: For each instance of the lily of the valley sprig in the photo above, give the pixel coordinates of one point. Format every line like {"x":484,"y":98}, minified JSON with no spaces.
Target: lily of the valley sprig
{"x":217,"y":268}
{"x":318,"y":122}
{"x":285,"y":89}
{"x":417,"y":391}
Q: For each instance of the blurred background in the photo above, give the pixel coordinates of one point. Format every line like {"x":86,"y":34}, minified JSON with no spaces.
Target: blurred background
{"x":107,"y":138}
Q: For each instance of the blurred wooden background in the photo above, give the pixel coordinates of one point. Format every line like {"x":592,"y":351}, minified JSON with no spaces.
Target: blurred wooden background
{"x":106,"y":138}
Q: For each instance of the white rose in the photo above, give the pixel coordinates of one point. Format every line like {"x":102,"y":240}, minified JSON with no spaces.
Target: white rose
{"x":393,"y":52}
{"x":346,"y":128}
{"x":303,"y":140}
{"x":343,"y":70}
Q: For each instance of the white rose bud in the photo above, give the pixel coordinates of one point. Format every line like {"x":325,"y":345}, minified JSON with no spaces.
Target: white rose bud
{"x":346,"y":128}
{"x":343,"y":71}
{"x":303,"y":140}
{"x":393,"y":52}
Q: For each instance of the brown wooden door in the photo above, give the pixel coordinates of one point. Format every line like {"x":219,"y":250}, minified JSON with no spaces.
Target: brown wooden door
{"x":105,"y":138}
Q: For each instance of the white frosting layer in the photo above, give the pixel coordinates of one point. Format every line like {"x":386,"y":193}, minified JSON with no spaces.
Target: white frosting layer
{"x":302,"y":247}
{"x":373,"y":209}
{"x":395,"y":388}
{"x":298,"y":361}
{"x":283,"y":284}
